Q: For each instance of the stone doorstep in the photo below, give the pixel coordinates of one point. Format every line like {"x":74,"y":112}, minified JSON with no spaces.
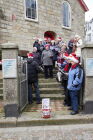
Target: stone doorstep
{"x":58,"y":120}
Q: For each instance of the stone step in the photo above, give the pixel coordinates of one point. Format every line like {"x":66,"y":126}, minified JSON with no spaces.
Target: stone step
{"x":35,"y":119}
{"x":51,"y":96}
{"x":51,"y":90}
{"x":1,"y":96}
{"x":49,"y":80}
{"x":42,"y":75}
{"x":47,"y":85}
{"x":1,"y":85}
{"x":1,"y":80}
{"x":1,"y":90}
{"x":57,"y":120}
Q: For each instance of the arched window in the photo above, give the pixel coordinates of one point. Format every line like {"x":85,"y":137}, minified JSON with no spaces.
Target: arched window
{"x":66,"y":14}
{"x":31,"y":9}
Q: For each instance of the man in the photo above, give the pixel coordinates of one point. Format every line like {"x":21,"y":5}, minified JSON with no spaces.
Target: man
{"x":75,"y":79}
{"x":47,"y":60}
{"x":33,"y":68}
{"x":36,"y":56}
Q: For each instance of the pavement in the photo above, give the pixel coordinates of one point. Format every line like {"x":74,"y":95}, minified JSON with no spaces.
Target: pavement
{"x":62,"y":132}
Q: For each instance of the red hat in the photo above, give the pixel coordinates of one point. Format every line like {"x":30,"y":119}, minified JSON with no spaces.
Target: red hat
{"x":30,"y":55}
{"x":73,"y":58}
{"x":47,"y":45}
{"x":65,"y":55}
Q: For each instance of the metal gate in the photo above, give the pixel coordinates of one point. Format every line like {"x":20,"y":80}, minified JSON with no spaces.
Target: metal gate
{"x":23,"y":83}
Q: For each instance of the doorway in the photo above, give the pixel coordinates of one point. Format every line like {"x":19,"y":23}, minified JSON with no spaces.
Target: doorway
{"x":50,"y":35}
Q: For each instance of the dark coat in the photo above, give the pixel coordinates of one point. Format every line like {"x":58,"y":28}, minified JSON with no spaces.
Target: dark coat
{"x":33,"y":69}
{"x":37,"y":57}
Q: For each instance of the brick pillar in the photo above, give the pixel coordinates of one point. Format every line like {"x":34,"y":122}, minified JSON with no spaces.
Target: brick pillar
{"x":10,"y":79}
{"x":87,"y":57}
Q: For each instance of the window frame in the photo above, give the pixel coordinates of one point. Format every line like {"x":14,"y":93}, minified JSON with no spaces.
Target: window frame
{"x":66,"y":27}
{"x":29,"y":19}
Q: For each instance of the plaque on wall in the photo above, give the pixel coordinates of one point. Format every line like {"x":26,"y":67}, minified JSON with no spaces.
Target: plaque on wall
{"x":89,"y":67}
{"x":9,"y":68}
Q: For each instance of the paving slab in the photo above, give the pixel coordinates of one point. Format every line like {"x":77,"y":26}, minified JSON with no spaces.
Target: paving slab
{"x":62,"y":132}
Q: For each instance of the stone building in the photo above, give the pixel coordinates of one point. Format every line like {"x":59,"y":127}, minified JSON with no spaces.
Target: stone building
{"x":22,"y":20}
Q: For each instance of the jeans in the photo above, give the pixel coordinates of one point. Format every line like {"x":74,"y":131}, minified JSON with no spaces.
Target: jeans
{"x":74,"y":99}
{"x":48,"y":71}
{"x":30,"y":91}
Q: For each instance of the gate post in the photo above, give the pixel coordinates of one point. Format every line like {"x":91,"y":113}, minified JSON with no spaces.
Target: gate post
{"x":10,"y":79}
{"x":87,"y":57}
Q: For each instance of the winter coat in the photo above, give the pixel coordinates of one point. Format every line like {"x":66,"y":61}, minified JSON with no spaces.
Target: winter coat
{"x":47,"y":57}
{"x":33,"y":68}
{"x":36,"y":57}
{"x":75,"y":79}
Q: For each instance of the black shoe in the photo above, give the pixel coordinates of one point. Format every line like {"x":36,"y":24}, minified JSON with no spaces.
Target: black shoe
{"x":74,"y":113}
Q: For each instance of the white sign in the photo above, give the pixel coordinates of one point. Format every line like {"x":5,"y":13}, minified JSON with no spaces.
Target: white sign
{"x":46,"y":108}
{"x":89,"y":67}
{"x":9,"y":68}
{"x":46,"y":103}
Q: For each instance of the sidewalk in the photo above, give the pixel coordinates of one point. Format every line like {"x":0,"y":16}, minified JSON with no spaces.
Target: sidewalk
{"x":62,"y":132}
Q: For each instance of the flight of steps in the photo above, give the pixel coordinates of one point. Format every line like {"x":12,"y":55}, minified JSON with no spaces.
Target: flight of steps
{"x":50,"y":88}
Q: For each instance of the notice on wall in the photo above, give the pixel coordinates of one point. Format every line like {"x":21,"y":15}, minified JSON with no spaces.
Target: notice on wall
{"x":89,"y":67}
{"x":9,"y":67}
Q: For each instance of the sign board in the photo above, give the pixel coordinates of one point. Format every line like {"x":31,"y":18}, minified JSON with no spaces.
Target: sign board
{"x":89,"y":67}
{"x":46,"y":108}
{"x":46,"y":103}
{"x":9,"y":68}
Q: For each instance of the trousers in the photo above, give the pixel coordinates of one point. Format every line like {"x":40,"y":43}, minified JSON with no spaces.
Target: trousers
{"x":33,"y":87}
{"x":74,"y":99}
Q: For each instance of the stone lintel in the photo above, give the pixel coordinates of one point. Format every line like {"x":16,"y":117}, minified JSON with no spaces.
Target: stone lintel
{"x":9,"y":46}
{"x":87,"y":46}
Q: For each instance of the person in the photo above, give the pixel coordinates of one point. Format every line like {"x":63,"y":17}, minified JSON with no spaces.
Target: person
{"x":32,"y":70}
{"x":47,"y":61}
{"x":36,"y":56}
{"x":55,"y":52}
{"x":75,"y":79}
{"x":70,"y":45}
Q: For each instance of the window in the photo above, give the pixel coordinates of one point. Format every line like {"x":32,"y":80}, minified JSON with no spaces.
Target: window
{"x":89,"y":37}
{"x":66,"y":14}
{"x":31,"y":9}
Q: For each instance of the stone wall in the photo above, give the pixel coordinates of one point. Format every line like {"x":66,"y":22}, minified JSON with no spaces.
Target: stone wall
{"x":87,"y":53}
{"x":14,"y":28}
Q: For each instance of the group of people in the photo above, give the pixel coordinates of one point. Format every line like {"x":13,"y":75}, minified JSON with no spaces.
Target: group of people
{"x":49,"y":53}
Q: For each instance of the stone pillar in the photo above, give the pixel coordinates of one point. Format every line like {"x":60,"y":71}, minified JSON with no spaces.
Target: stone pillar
{"x":87,"y":57}
{"x":10,"y":79}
